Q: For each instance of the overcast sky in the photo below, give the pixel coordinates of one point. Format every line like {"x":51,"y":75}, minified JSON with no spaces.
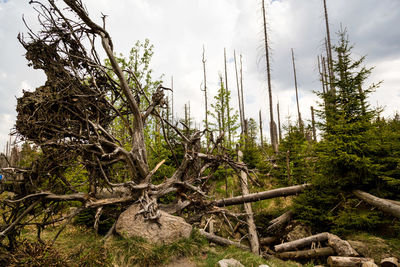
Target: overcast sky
{"x":179,"y":28}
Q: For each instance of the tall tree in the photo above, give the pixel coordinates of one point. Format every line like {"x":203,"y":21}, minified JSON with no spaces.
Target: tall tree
{"x":300,"y":121}
{"x":273,"y":128}
{"x":227,"y":100}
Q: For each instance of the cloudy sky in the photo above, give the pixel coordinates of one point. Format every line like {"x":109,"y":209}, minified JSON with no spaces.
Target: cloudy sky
{"x":179,"y":29}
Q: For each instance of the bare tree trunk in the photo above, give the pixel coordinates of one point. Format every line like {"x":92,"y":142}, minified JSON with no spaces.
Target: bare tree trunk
{"x":296,"y":244}
{"x":380,"y":203}
{"x":278,"y":223}
{"x":306,"y":254}
{"x":280,"y":192}
{"x":241,"y":91}
{"x":329,"y":47}
{"x":251,"y":226}
{"x":261,"y":129}
{"x":279,"y":122}
{"x":314,"y":132}
{"x":239,"y":96}
{"x":205,"y":97}
{"x":222,"y":241}
{"x":288,"y":167}
{"x":337,"y":261}
{"x":301,"y":127}
{"x":227,"y":102}
{"x":172,"y":98}
{"x":273,"y":130}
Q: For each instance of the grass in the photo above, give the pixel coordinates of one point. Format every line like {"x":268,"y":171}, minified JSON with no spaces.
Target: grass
{"x":80,"y":246}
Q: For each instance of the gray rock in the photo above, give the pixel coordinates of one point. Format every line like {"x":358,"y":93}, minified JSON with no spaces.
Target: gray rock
{"x":229,"y":263}
{"x":264,"y":265}
{"x":167,"y":230}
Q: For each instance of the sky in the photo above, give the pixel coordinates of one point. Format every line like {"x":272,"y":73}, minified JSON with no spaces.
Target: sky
{"x":179,"y":29}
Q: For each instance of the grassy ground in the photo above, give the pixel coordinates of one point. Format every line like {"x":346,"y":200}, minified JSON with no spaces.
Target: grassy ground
{"x":79,"y":246}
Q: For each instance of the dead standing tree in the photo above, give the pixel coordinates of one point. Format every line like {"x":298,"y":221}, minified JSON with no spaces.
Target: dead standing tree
{"x":70,"y":118}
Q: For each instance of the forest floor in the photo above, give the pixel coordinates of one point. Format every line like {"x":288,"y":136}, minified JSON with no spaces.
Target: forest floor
{"x":80,"y":246}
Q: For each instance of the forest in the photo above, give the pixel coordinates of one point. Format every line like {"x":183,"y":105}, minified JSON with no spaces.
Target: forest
{"x":103,"y":173}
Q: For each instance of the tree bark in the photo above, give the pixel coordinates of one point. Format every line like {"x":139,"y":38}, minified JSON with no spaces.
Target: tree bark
{"x":297,"y":94}
{"x":280,"y":192}
{"x":266,"y":241}
{"x":222,"y":241}
{"x":278,"y":223}
{"x":301,"y":242}
{"x":273,"y":129}
{"x":341,"y":247}
{"x":251,"y":226}
{"x":306,"y":254}
{"x":390,"y":262}
{"x":337,"y":261}
{"x":380,"y":203}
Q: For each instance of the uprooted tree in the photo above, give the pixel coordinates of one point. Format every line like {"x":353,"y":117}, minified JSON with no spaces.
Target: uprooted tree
{"x":70,"y":118}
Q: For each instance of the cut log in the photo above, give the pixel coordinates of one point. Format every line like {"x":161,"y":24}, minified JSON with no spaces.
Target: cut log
{"x":266,"y":241}
{"x":341,"y":247}
{"x":280,"y":192}
{"x":293,"y":245}
{"x":380,"y":203}
{"x":390,"y":262}
{"x":278,"y":223}
{"x":222,"y":241}
{"x":337,"y":261}
{"x":369,"y":264}
{"x":306,"y":254}
{"x":251,"y":226}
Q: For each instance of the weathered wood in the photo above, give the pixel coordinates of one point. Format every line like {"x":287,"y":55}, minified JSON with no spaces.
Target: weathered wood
{"x":279,"y":222}
{"x":390,"y":262}
{"x":280,"y":192}
{"x":306,"y":254}
{"x":341,"y":247}
{"x":222,"y":241}
{"x":266,"y":241}
{"x":337,"y":261}
{"x":251,"y":226}
{"x":380,"y":203}
{"x":369,"y":264}
{"x":301,"y":242}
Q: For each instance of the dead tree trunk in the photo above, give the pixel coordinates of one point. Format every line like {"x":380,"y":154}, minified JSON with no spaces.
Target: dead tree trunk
{"x":329,"y":48}
{"x":279,"y":122}
{"x":205,"y":97}
{"x":273,"y":130}
{"x":251,"y":226}
{"x":380,"y":203}
{"x":239,"y":96}
{"x":301,"y":127}
{"x":280,"y":192}
{"x":227,"y":102}
{"x":222,"y":241}
{"x":278,"y":223}
{"x":296,"y":244}
{"x":261,"y":129}
{"x":306,"y":254}
{"x":266,"y":241}
{"x":314,"y":132}
{"x":337,"y":261}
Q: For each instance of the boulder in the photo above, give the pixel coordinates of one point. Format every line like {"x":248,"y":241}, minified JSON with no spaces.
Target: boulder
{"x":166,"y":230}
{"x":229,"y":263}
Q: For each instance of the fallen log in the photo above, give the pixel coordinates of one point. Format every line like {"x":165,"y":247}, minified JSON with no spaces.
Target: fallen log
{"x":222,"y":241}
{"x":280,"y":192}
{"x":306,"y":254}
{"x":293,"y":245}
{"x":251,"y":226}
{"x":341,"y":247}
{"x":266,"y":241}
{"x":337,"y":261}
{"x":390,"y":262}
{"x":380,"y":203}
{"x":279,"y":222}
{"x":369,"y":264}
